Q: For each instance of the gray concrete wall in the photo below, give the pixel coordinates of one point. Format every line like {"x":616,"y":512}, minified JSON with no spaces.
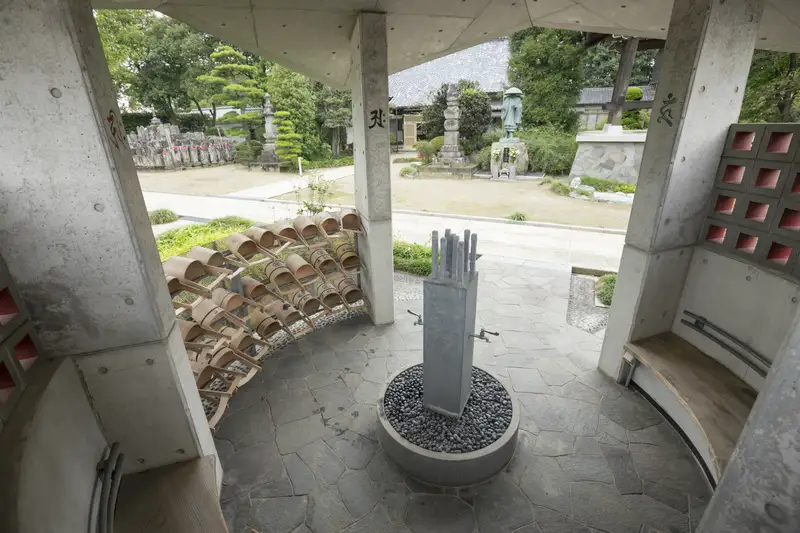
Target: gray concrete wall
{"x":610,"y":160}
{"x":48,"y":455}
{"x":754,"y":305}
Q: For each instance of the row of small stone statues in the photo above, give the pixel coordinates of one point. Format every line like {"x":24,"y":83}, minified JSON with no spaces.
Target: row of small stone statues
{"x":163,"y":146}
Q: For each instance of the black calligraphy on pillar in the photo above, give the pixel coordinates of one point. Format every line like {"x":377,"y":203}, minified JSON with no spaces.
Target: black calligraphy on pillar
{"x":115,"y":128}
{"x":377,"y":117}
{"x":665,"y":112}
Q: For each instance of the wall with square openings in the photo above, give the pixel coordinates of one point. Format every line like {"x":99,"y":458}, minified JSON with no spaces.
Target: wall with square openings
{"x":754,"y":212}
{"x":19,"y":347}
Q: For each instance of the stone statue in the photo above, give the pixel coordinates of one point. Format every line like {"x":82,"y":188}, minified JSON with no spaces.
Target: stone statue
{"x":269,"y":160}
{"x":451,"y":152}
{"x":511,"y":112}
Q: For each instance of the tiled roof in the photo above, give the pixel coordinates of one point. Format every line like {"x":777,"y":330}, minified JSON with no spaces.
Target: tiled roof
{"x":486,"y":63}
{"x":602,"y":95}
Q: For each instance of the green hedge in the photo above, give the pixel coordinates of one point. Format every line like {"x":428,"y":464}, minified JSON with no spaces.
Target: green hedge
{"x":412,"y":258}
{"x":549,"y":150}
{"x":328,"y":163}
{"x":604,"y":288}
{"x":162,"y":216}
{"x":605,"y":185}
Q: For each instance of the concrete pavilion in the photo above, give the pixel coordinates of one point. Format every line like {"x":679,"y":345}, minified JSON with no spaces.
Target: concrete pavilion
{"x":75,"y":235}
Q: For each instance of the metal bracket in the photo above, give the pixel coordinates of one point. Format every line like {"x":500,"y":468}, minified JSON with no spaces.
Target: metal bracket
{"x":482,"y":335}
{"x":417,"y":322}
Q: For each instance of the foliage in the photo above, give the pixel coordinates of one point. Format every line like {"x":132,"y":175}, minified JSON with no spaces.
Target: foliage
{"x":409,"y":172}
{"x":412,"y":258}
{"x":604,"y":288}
{"x":335,"y":114}
{"x":162,"y":216}
{"x":605,"y":185}
{"x":635,"y":119}
{"x":287,"y":145}
{"x":557,"y":186}
{"x":235,"y":132}
{"x":247,"y":152}
{"x":601,"y":124}
{"x":154,"y":60}
{"x":517,"y":216}
{"x":476,"y":117}
{"x":492,"y":135}
{"x":294,"y":93}
{"x":546,"y":64}
{"x":772,"y":88}
{"x":405,"y":160}
{"x":426,"y":151}
{"x":484,"y":158}
{"x":181,"y":240}
{"x":583,"y":192}
{"x":549,"y":150}
{"x":437,"y":143}
{"x":328,"y":163}
{"x":601,"y":61}
{"x":317,"y":191}
{"x":185,"y":122}
{"x":232,"y":81}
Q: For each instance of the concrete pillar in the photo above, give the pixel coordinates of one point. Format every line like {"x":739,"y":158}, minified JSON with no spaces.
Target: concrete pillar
{"x":369,"y":80}
{"x":623,"y":80}
{"x":759,"y":490}
{"x":76,"y":236}
{"x":705,"y":65}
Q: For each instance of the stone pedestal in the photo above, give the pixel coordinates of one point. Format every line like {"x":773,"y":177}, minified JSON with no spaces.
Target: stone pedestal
{"x":502,"y":166}
{"x":450,"y":153}
{"x":269,"y":160}
{"x":611,"y":154}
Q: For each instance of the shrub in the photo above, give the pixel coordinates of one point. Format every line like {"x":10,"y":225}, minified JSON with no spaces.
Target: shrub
{"x":181,"y":240}
{"x":484,"y":158}
{"x":493,"y":135}
{"x":604,"y":288}
{"x":437,"y":143}
{"x":162,"y":216}
{"x":519,"y":217}
{"x":604,"y":185}
{"x":557,"y":186}
{"x":412,"y":258}
{"x":584,"y":192}
{"x":328,"y":163}
{"x":476,"y":117}
{"x":288,"y":143}
{"x":405,"y":160}
{"x":409,"y":172}
{"x":190,"y":122}
{"x":314,"y":193}
{"x":549,"y":150}
{"x":213,"y":131}
{"x":602,"y":124}
{"x":426,"y":151}
{"x":633,"y":94}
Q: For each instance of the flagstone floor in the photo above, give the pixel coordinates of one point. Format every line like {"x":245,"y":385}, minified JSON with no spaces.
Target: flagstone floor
{"x":300,"y":452}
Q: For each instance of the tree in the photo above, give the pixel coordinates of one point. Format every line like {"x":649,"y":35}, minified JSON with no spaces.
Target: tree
{"x":122,"y":32}
{"x":601,"y":62}
{"x":547,"y":65}
{"x":232,"y":81}
{"x":772,"y":88}
{"x":433,"y":113}
{"x":334,"y":113}
{"x":293,"y":92}
{"x":288,"y":144}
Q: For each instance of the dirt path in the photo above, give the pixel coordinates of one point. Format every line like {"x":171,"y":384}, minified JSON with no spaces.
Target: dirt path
{"x":492,"y":199}
{"x":208,"y":181}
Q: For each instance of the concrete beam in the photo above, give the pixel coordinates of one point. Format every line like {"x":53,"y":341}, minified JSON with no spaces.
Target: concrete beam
{"x":706,"y":61}
{"x":76,"y":235}
{"x":373,"y":188}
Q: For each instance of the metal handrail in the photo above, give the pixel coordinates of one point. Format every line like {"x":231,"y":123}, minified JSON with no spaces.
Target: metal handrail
{"x":699,"y":323}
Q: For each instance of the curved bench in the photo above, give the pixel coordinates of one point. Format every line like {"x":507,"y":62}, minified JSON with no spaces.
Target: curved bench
{"x":705,"y":399}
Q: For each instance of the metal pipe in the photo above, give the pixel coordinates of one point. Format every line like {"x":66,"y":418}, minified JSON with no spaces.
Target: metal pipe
{"x":473,"y":252}
{"x":106,"y":494}
{"x":93,"y":518}
{"x":447,"y":233}
{"x":453,"y":254}
{"x":443,"y":253}
{"x":761,"y":372}
{"x":763,"y":360}
{"x":459,"y":262}
{"x":435,"y":254}
{"x":466,"y":250}
{"x":116,"y":481}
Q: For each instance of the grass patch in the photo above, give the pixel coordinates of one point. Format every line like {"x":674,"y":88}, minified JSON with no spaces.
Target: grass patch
{"x":519,"y":217}
{"x":604,"y":185}
{"x":409,"y":172}
{"x":181,"y":240}
{"x":584,"y":192}
{"x":604,"y":288}
{"x":412,"y":258}
{"x":405,"y":160}
{"x":162,"y":216}
{"x":328,"y":163}
{"x":556,"y":185}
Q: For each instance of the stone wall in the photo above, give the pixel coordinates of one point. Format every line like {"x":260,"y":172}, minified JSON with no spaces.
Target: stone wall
{"x":615,"y":158}
{"x":162,"y":146}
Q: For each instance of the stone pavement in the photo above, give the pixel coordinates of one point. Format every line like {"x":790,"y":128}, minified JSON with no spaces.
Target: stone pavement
{"x":286,"y":186}
{"x":300,"y":453}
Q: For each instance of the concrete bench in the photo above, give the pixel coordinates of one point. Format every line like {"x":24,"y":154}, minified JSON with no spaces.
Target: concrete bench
{"x":705,"y":399}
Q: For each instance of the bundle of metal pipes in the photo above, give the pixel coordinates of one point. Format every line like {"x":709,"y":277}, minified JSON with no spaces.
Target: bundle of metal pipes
{"x":457,"y":257}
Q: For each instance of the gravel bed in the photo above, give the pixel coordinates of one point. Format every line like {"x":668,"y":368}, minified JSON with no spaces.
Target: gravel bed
{"x":581,"y":309}
{"x":484,"y":420}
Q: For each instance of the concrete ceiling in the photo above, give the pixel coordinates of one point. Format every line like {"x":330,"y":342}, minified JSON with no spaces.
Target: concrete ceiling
{"x":313,"y":36}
